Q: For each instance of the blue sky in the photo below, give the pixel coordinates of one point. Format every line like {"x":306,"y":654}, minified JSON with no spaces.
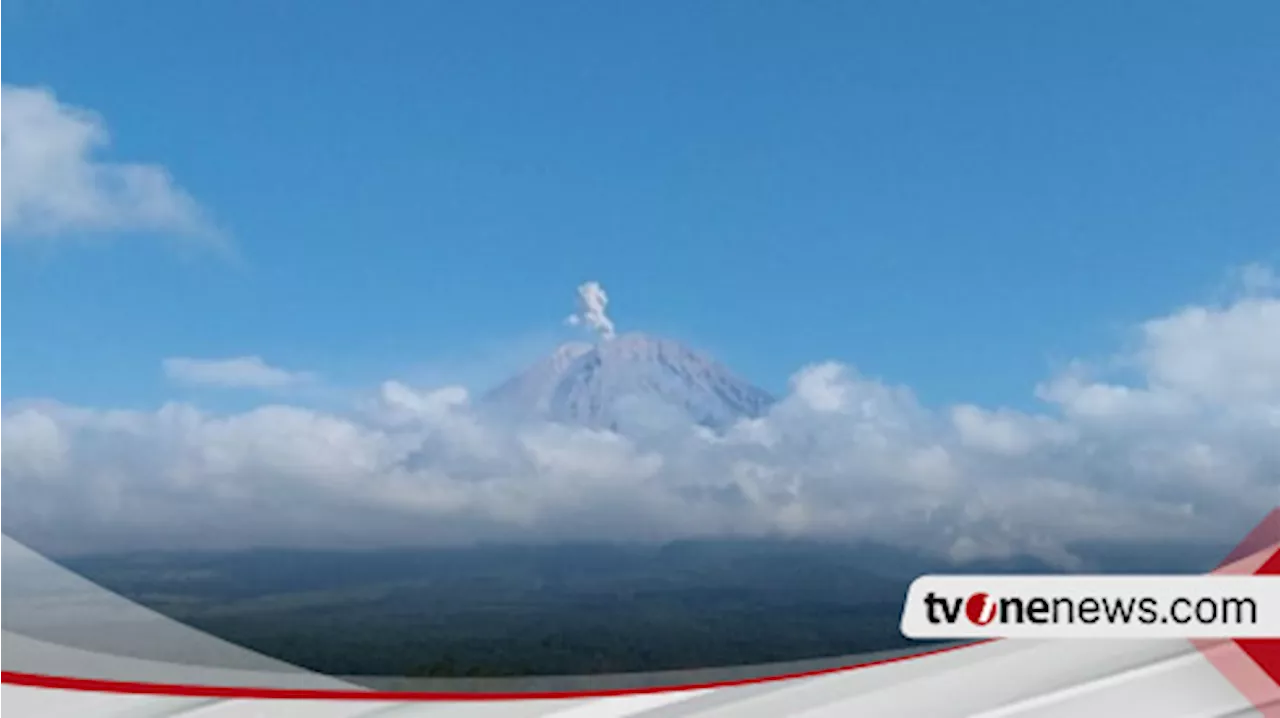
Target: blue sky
{"x":950,"y":198}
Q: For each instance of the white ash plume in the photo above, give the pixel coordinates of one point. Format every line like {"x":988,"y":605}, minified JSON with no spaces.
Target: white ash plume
{"x":592,"y":301}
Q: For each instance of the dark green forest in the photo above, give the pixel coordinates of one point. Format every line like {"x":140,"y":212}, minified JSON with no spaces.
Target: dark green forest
{"x":553,"y":610}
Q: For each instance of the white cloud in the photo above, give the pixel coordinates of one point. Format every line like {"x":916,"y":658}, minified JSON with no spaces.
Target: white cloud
{"x":1191,"y":449}
{"x":238,"y":372}
{"x":1217,"y":355}
{"x":53,"y":184}
{"x":1007,"y":432}
{"x":39,"y":446}
{"x":1256,"y":279}
{"x":403,"y":404}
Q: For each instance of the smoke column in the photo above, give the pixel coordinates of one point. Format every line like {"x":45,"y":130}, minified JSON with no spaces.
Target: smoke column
{"x":592,"y":301}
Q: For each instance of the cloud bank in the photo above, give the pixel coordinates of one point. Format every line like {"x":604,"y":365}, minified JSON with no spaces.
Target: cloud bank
{"x":54,"y":185}
{"x":1188,"y":450}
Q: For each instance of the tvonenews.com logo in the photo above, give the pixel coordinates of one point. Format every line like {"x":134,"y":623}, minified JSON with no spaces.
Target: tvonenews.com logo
{"x":1093,"y":606}
{"x":983,"y":609}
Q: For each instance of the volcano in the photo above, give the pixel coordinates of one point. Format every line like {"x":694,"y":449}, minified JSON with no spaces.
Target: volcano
{"x":613,"y":383}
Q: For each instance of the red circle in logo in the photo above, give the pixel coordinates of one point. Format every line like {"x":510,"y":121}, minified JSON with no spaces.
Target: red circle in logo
{"x":980,"y":609}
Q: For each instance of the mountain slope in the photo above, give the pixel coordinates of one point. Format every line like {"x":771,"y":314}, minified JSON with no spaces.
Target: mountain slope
{"x":528,"y":394}
{"x":633,"y":377}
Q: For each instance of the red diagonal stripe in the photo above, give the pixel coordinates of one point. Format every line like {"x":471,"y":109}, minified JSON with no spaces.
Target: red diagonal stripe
{"x":1252,"y":655}
{"x":1266,"y":651}
{"x":1266,"y":533}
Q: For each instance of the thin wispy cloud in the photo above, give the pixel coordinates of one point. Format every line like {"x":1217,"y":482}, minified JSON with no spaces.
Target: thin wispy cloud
{"x":56,"y":184}
{"x":1257,"y":278}
{"x":236,"y":372}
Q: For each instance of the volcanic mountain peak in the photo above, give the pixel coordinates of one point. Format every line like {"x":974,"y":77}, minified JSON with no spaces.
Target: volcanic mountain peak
{"x":605,"y":385}
{"x":528,"y":394}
